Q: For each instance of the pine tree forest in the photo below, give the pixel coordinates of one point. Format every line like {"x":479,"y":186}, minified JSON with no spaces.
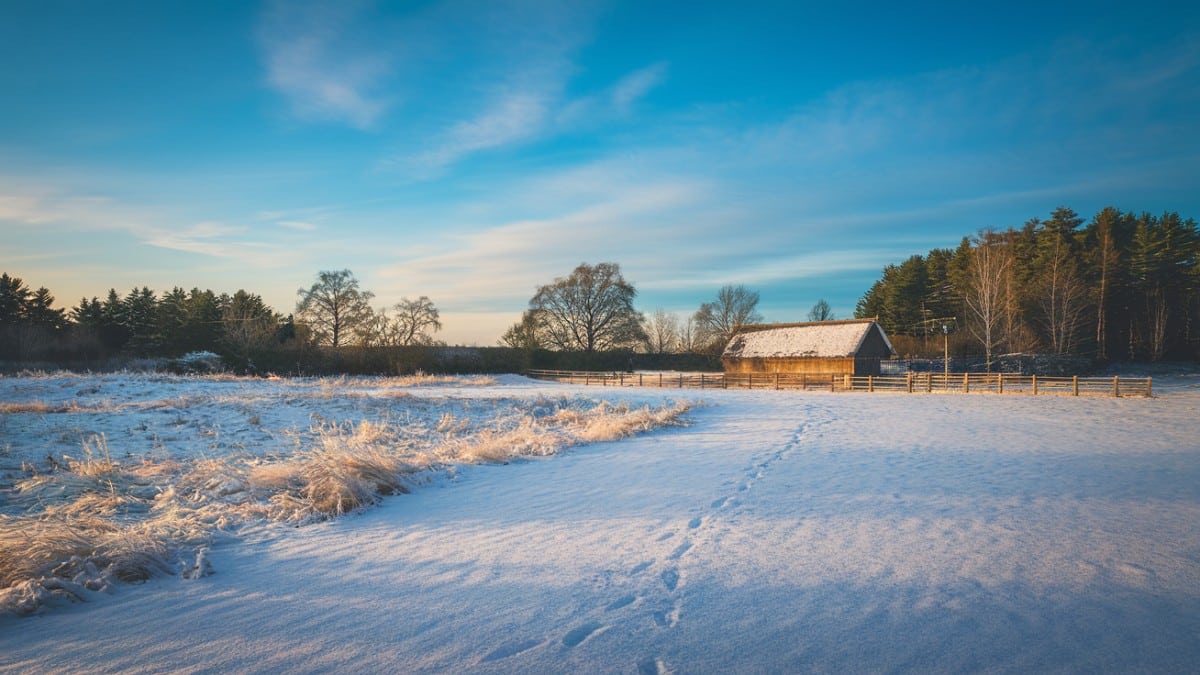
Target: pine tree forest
{"x":1120,"y":287}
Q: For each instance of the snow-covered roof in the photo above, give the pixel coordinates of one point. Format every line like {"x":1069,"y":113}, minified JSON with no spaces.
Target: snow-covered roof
{"x":824,"y":339}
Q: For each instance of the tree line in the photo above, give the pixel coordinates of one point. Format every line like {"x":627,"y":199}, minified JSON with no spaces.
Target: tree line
{"x":241,"y":328}
{"x":592,"y":310}
{"x":1122,"y":286}
{"x":586,"y":319}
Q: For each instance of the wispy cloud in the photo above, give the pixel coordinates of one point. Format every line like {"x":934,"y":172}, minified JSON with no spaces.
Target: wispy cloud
{"x":636,"y":85}
{"x":49,"y":206}
{"x":531,"y":109}
{"x":313,"y":59}
{"x":513,"y":118}
{"x":500,"y":265}
{"x":297,"y":225}
{"x":519,"y":62}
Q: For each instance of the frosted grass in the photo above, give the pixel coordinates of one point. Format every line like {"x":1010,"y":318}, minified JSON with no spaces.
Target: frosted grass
{"x":71,"y":526}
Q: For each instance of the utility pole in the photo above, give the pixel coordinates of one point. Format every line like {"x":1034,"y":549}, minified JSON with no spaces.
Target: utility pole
{"x":947,"y":324}
{"x":946,"y":350}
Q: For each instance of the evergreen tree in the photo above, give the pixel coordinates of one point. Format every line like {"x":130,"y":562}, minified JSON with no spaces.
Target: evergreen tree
{"x":41,"y":314}
{"x":140,"y":320}
{"x":203,"y":323}
{"x":171,"y":323}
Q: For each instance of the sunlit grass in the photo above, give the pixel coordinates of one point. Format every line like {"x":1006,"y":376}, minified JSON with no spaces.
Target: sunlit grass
{"x":76,"y":525}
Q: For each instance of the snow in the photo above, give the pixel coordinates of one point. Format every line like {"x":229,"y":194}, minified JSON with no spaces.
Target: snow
{"x":820,"y":340}
{"x":776,"y":532}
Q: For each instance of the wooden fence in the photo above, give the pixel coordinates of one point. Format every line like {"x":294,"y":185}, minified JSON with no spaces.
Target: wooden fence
{"x":912,"y":383}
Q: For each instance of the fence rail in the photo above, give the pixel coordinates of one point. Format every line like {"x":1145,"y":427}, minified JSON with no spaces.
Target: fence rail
{"x":912,"y":383}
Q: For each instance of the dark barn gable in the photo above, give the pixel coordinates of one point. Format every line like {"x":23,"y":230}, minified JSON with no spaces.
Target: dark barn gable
{"x":852,"y":347}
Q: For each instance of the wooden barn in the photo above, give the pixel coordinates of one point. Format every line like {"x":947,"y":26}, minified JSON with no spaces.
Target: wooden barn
{"x":853,"y":347}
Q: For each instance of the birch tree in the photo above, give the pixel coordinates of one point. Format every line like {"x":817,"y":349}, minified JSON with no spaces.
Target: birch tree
{"x":1063,"y":295}
{"x":984,"y":293}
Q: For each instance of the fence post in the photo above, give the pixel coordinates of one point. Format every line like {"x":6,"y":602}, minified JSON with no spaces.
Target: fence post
{"x":1149,"y":391}
{"x":966,"y":383}
{"x":803,"y":381}
{"x":870,"y":384}
{"x":660,"y":379}
{"x":640,"y":380}
{"x":1074,"y":385}
{"x":681,"y":380}
{"x":909,"y":383}
{"x":928,"y":383}
{"x":999,"y":383}
{"x":833,"y":383}
{"x":777,"y":380}
{"x":1116,"y":385}
{"x":587,"y":379}
{"x":1034,"y":376}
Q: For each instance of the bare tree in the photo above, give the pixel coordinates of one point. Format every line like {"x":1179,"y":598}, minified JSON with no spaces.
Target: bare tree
{"x":662,"y":332}
{"x":1063,"y":296}
{"x":689,"y":341}
{"x":820,"y":311}
{"x":717,"y":321}
{"x":984,"y":294}
{"x":523,"y":334}
{"x":414,"y":322}
{"x":374,"y":329}
{"x":591,"y":310}
{"x":334,"y":307}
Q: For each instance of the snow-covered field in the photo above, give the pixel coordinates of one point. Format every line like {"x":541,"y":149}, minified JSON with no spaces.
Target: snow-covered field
{"x":772,"y":532}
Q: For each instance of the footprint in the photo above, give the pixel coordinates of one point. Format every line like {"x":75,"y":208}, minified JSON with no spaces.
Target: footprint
{"x":511,"y":649}
{"x":670,"y":578}
{"x":641,"y":567}
{"x":680,"y":550}
{"x":719,"y":503}
{"x":620,"y":602}
{"x":666,"y":535}
{"x":696,"y":522}
{"x":581,"y":633}
{"x":651,"y":666}
{"x":667,"y":618}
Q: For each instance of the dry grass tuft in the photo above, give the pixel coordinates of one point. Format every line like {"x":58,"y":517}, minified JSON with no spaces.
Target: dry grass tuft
{"x":31,"y":407}
{"x":95,"y":521}
{"x":49,"y":558}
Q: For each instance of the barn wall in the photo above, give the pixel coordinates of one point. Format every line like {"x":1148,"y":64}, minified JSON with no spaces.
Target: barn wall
{"x":810,"y":366}
{"x":866,"y":366}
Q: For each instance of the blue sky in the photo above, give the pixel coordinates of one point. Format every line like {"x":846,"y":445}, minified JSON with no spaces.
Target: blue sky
{"x":470,"y":151}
